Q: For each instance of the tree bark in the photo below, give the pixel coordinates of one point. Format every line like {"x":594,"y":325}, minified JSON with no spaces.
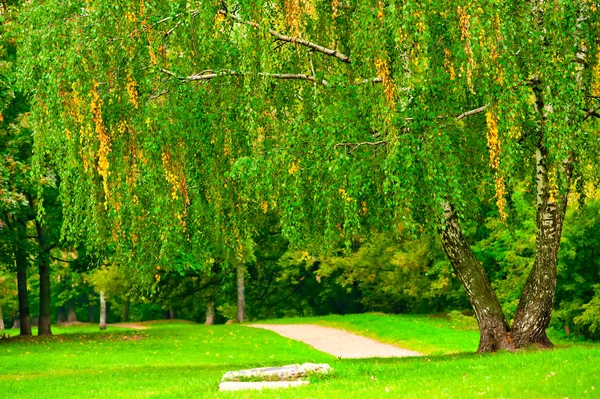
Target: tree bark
{"x":91,"y":313}
{"x":44,"y":319}
{"x":21,"y":262}
{"x":493,"y":328}
{"x":534,"y":310}
{"x":210,"y":313}
{"x":102,"y":311}
{"x":44,"y":271}
{"x":72,"y":317}
{"x":1,"y":319}
{"x":61,"y":316}
{"x":241,"y":293}
{"x":126,"y":305}
{"x":172,"y":313}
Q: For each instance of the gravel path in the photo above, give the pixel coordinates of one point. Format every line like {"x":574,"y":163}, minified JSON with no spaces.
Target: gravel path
{"x":339,"y":343}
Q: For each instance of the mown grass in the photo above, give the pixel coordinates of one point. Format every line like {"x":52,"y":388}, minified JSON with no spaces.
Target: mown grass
{"x":187,"y":360}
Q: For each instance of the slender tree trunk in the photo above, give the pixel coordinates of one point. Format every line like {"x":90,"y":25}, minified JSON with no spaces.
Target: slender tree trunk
{"x":534,"y":310}
{"x":493,"y":328}
{"x":61,"y":316}
{"x":241,"y":293}
{"x":102,"y":311}
{"x":44,"y":271}
{"x":172,"y":313}
{"x":91,"y":313}
{"x":16,"y":323}
{"x":1,"y":319}
{"x":21,"y":262}
{"x":126,"y":305}
{"x":210,"y":313}
{"x":44,"y":319}
{"x":72,"y":317}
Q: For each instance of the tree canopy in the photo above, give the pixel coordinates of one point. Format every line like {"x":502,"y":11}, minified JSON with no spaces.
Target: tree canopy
{"x":171,"y":123}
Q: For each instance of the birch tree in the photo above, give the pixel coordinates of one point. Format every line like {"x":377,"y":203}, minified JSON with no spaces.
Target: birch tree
{"x":340,"y":116}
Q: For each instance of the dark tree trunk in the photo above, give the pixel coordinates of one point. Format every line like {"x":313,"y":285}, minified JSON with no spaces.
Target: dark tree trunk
{"x":44,"y":270}
{"x":210,"y":313}
{"x":91,"y":310}
{"x":72,"y":314}
{"x":241,"y":293}
{"x":535,"y":305}
{"x":61,"y":316}
{"x":44,"y":319}
{"x":126,"y":305}
{"x":102,"y":311}
{"x":21,"y":261}
{"x":172,"y":313}
{"x":493,"y":328}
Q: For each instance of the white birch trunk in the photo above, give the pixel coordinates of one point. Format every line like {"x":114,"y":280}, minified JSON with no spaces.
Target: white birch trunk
{"x":210,"y":313}
{"x":102,"y":311}
{"x":241,"y":294}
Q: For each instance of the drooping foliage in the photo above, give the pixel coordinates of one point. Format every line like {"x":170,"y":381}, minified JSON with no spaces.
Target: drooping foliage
{"x":174,"y":125}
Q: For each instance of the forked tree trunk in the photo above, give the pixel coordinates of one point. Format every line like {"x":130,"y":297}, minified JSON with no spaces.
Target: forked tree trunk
{"x":493,"y":328}
{"x":210,"y":313}
{"x":21,"y":262}
{"x":72,"y":317}
{"x":44,"y":319}
{"x":102,"y":311}
{"x":535,"y":305}
{"x":241,"y":293}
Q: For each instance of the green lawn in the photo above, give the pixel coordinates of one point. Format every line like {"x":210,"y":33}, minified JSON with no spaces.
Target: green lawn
{"x":188,"y":360}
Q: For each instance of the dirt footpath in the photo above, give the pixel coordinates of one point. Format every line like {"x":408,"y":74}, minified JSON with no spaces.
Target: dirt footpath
{"x":336,"y":342}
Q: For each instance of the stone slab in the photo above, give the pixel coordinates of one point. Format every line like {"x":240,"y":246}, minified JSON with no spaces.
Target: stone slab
{"x":283,"y":373}
{"x":239,"y":386}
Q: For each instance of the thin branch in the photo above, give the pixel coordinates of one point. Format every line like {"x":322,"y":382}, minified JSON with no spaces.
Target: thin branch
{"x":61,"y":260}
{"x":155,"y":95}
{"x":356,"y":145}
{"x":472,"y":112}
{"x":381,"y":142}
{"x":459,"y":117}
{"x":592,"y":112}
{"x":209,"y":75}
{"x":290,"y":39}
{"x":168,"y":33}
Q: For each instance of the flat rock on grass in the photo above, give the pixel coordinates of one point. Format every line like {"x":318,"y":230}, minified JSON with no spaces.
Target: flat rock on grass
{"x":285,"y":373}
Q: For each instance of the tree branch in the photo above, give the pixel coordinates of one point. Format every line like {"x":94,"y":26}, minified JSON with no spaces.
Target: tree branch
{"x":472,"y":112}
{"x":381,"y":142}
{"x":290,"y":39}
{"x":356,"y":145}
{"x":209,"y":75}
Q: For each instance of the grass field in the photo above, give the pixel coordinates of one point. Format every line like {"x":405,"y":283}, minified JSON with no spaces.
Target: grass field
{"x":188,"y":360}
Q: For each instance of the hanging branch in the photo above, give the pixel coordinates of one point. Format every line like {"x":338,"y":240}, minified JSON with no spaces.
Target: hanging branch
{"x":290,"y":39}
{"x":209,"y":75}
{"x":357,"y":145}
{"x":382,"y":142}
